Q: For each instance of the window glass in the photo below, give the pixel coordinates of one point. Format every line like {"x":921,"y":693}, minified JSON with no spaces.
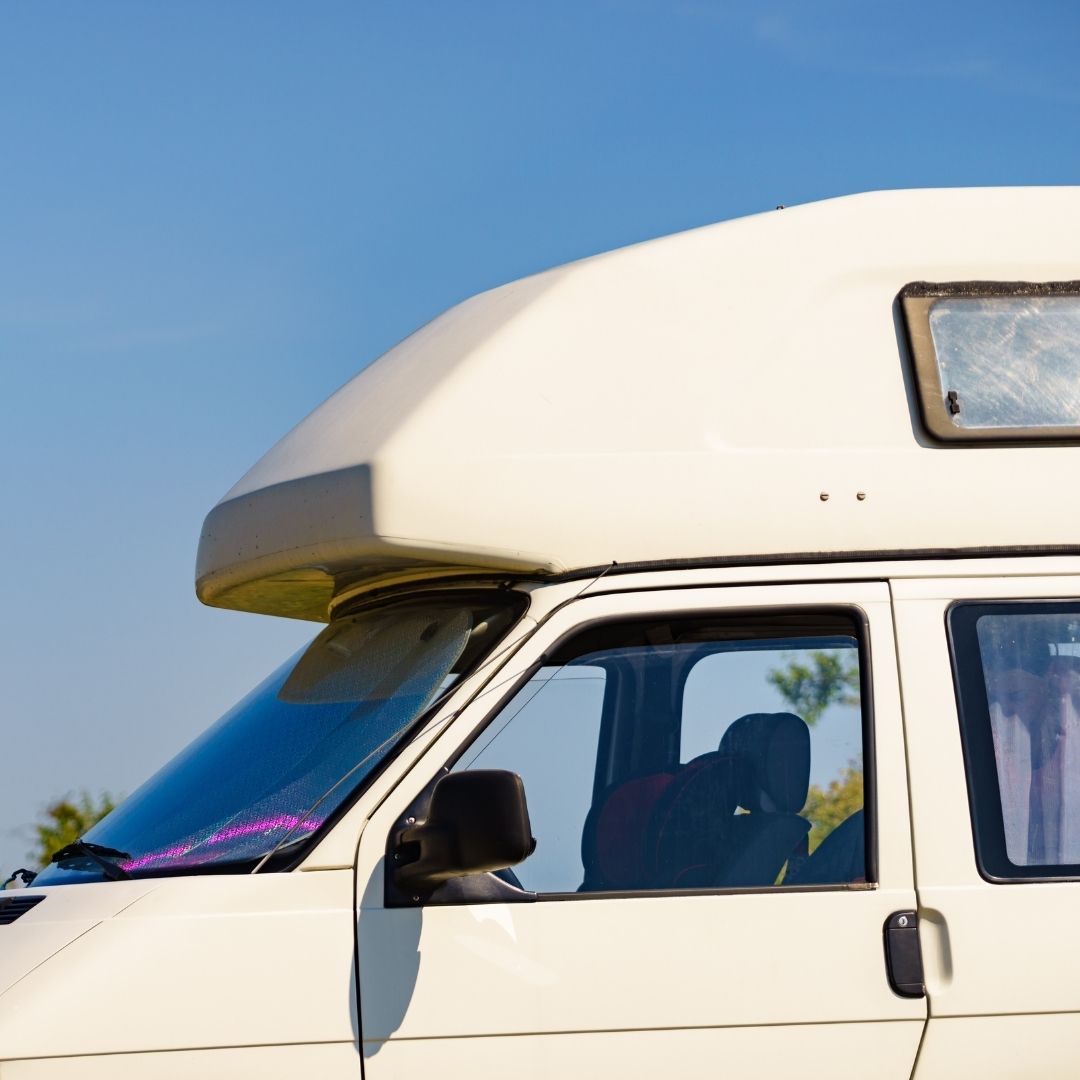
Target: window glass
{"x":548,"y":736}
{"x":270,"y":772}
{"x":822,"y":684}
{"x":1019,"y":678}
{"x":1009,"y":361}
{"x":689,"y":755}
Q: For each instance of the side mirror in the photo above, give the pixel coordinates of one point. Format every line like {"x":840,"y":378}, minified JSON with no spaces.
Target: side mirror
{"x":478,"y":821}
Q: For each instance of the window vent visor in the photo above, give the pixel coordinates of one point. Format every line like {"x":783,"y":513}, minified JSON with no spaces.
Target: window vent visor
{"x":995,"y":360}
{"x":13,"y":907}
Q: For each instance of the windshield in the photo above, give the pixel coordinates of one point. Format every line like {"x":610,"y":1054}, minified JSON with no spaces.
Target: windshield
{"x":274,"y":768}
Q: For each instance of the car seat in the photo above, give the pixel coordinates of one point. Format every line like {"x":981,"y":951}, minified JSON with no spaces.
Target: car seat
{"x":839,"y":858}
{"x":688,"y":835}
{"x":772,"y":751}
{"x":613,"y":845}
{"x":665,"y":830}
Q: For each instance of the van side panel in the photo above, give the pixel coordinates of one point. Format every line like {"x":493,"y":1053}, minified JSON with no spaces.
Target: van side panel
{"x":1000,"y":959}
{"x":765,"y":982}
{"x":822,"y":1052}
{"x":208,"y":962}
{"x":264,"y":1062}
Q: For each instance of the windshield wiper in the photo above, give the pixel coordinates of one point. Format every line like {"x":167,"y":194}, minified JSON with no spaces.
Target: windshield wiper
{"x":27,"y":877}
{"x":97,"y":854}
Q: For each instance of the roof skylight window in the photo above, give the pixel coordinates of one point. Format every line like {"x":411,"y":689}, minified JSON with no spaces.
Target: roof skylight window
{"x":996,"y":360}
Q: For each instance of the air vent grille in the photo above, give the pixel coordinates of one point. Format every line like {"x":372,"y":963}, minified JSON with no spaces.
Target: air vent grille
{"x":11,"y":907}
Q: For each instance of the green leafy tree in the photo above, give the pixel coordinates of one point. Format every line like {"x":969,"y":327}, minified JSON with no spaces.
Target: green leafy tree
{"x":828,"y":807}
{"x":66,"y":820}
{"x":828,"y":678}
{"x":810,"y":687}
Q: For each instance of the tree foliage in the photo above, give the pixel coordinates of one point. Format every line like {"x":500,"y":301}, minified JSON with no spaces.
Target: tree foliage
{"x":828,"y":807}
{"x":66,"y":820}
{"x":810,"y":687}
{"x":829,"y":678}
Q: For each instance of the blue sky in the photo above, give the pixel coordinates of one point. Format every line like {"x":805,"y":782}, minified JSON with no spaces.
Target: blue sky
{"x":212,"y":215}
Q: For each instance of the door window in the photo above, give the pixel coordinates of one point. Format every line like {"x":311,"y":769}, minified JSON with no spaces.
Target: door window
{"x":706,"y":753}
{"x":1018,"y":675}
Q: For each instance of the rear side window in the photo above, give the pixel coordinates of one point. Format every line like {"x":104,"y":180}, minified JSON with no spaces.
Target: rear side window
{"x":1017,"y":671}
{"x":691,"y":754}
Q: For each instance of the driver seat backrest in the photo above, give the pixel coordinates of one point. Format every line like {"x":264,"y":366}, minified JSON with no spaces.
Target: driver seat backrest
{"x":613,"y":843}
{"x":773,"y":753}
{"x":688,"y":835}
{"x":665,"y":830}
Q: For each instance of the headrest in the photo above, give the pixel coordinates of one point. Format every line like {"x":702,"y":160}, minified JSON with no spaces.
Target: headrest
{"x":774,"y":749}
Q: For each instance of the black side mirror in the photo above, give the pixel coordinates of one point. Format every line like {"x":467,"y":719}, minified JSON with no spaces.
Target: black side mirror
{"x":478,"y":821}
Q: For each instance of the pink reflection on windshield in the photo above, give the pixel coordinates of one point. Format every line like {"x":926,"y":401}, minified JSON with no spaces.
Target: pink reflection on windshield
{"x":230,"y":832}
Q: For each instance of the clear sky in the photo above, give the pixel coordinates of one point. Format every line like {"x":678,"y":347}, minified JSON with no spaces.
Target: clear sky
{"x":212,"y":215}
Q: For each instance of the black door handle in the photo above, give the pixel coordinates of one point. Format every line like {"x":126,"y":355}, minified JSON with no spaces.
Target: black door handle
{"x":903,"y":954}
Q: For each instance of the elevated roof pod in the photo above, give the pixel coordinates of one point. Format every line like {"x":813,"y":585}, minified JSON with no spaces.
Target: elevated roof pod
{"x":741,"y":390}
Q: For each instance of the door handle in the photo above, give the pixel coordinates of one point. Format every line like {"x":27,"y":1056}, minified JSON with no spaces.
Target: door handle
{"x":903,"y":954}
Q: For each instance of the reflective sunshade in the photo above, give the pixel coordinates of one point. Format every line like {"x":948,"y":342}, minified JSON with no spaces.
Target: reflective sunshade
{"x":270,"y":772}
{"x":1009,"y":361}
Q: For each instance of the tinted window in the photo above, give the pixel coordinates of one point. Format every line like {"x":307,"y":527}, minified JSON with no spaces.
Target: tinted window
{"x":690,"y":755}
{"x":1018,"y":674}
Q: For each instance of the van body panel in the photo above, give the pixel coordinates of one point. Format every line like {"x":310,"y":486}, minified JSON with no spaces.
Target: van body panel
{"x":627,"y":964}
{"x":816,"y":1052}
{"x":202,"y":962}
{"x":782,"y":352}
{"x":62,"y":916}
{"x":734,"y":962}
{"x":265,"y":1062}
{"x":1043,"y":1045}
{"x":999,"y":958}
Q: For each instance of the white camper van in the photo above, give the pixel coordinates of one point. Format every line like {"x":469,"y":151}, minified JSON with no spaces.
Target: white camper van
{"x":698,"y":690}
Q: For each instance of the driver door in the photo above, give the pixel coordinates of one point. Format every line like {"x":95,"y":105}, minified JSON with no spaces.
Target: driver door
{"x":710,"y":883}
